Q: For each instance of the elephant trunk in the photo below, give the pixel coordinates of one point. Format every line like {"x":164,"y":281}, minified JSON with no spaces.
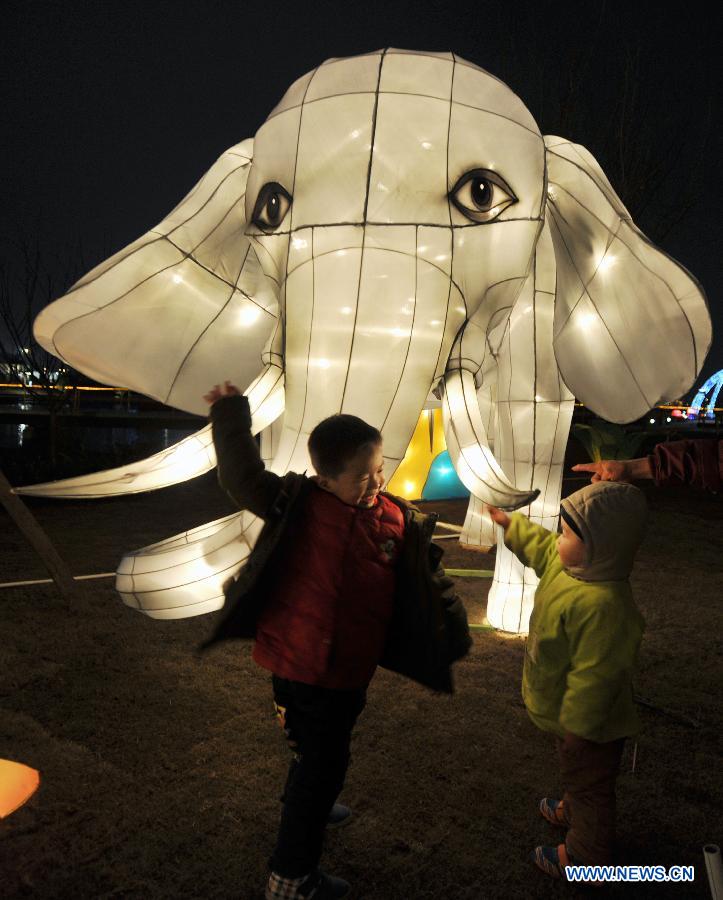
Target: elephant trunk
{"x":468,"y":445}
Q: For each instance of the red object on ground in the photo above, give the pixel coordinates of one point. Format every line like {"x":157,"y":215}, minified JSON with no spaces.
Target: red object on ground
{"x":17,"y":784}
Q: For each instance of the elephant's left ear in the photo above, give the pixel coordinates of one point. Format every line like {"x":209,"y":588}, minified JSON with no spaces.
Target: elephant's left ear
{"x":631,"y":325}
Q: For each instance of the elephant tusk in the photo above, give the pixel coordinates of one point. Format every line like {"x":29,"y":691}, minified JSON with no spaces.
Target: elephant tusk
{"x":468,"y":446}
{"x":266,"y":397}
{"x":187,"y":459}
{"x":184,"y":575}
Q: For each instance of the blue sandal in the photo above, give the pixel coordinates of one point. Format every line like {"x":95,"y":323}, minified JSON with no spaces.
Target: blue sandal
{"x":552,"y":860}
{"x":554,"y":812}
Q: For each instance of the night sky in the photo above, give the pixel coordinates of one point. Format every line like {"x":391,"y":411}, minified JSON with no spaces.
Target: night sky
{"x":112,"y":111}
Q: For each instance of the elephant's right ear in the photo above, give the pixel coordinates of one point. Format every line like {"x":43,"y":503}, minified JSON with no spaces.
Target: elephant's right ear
{"x":631,"y":325}
{"x":182,"y":308}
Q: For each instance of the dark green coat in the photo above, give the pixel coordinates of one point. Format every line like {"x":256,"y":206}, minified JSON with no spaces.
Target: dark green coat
{"x":428,"y":630}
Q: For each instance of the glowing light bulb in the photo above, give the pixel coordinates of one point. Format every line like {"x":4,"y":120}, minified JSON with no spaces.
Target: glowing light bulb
{"x":248,"y":315}
{"x":177,"y":279}
{"x":606,"y":263}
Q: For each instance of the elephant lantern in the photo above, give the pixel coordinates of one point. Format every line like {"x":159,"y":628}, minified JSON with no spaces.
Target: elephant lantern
{"x":397,"y":227}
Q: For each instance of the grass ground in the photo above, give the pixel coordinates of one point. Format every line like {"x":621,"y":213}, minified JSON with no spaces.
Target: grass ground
{"x":161,"y":773}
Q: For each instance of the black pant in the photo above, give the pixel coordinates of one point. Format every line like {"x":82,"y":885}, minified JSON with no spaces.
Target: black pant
{"x":318,"y":723}
{"x":588,"y":776}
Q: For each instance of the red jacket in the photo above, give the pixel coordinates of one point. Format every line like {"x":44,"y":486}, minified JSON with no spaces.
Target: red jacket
{"x":326,"y":620}
{"x":698,"y":463}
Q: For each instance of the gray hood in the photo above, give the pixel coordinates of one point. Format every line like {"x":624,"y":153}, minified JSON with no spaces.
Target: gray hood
{"x":611,"y":518}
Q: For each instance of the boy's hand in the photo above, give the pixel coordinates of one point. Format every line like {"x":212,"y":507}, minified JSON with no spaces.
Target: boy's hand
{"x":218,"y":391}
{"x":498,"y":515}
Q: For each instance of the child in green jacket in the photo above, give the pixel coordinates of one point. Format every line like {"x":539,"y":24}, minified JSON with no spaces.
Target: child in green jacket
{"x":584,"y":635}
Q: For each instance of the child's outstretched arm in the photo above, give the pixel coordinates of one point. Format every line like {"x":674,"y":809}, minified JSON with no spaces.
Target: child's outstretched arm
{"x":241,"y":471}
{"x":532,"y":544}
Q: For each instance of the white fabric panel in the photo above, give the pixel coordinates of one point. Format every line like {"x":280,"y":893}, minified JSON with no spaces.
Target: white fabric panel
{"x":343,"y":77}
{"x":414,"y":129}
{"x":333,"y":160}
{"x":430,"y":76}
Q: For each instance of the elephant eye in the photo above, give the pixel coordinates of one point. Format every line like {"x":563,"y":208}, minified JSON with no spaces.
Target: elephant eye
{"x":481,"y":195}
{"x":272,"y":204}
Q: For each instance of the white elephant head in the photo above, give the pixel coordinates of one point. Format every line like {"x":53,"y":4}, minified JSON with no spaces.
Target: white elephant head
{"x":397,"y":226}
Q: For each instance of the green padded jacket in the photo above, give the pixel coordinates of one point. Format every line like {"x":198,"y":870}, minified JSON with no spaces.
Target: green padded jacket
{"x":582,"y":644}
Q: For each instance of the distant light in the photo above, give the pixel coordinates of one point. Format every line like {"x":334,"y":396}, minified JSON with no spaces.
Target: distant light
{"x":652,"y":421}
{"x":668,"y":419}
{"x":346,"y":310}
{"x":426,"y":145}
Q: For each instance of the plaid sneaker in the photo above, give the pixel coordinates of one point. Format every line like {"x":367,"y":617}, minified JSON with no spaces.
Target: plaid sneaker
{"x":280,"y":888}
{"x":554,"y":812}
{"x":316,"y":886}
{"x":338,"y":816}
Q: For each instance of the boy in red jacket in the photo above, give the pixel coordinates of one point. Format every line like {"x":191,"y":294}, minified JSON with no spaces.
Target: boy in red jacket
{"x":342,"y":578}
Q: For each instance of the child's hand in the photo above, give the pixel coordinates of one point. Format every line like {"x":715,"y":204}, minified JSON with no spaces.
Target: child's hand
{"x":226,"y":390}
{"x":498,"y":515}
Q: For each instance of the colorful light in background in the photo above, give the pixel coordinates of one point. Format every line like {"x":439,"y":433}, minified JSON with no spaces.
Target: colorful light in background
{"x":426,"y":471}
{"x":699,"y":406}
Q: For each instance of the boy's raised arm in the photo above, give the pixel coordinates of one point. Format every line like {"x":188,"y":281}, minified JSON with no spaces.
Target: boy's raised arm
{"x":241,"y":471}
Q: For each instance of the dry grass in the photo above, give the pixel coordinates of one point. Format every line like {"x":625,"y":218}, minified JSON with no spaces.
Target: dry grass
{"x":161,"y":773}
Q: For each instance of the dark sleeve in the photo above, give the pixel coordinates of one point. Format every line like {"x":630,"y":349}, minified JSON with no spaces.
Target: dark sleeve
{"x":697,"y":463}
{"x":241,"y":471}
{"x":456,"y":625}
